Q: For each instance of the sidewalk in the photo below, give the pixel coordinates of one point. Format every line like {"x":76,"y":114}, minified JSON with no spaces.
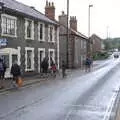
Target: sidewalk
{"x":36,"y":79}
{"x":8,"y":84}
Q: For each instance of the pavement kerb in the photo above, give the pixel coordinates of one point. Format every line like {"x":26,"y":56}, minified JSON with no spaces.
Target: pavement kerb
{"x":25,"y":83}
{"x":37,"y":80}
{"x":33,"y":81}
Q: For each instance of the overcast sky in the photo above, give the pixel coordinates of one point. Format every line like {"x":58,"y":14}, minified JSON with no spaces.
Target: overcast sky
{"x":105,"y":17}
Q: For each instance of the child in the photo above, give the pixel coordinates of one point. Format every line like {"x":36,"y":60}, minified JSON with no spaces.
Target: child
{"x":53,"y":68}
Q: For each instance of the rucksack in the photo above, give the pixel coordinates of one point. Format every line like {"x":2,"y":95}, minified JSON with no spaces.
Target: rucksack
{"x":1,"y":66}
{"x":88,"y":62}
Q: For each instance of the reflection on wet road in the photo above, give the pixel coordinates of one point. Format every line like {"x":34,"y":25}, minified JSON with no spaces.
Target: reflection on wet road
{"x":87,"y":97}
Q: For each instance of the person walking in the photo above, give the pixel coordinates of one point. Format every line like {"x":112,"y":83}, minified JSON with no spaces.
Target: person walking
{"x":53,"y":69}
{"x":2,"y":72}
{"x":16,"y":72}
{"x":44,"y":65}
{"x":63,"y":69}
{"x":88,"y":63}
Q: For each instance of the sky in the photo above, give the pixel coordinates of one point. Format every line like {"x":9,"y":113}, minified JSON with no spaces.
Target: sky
{"x":104,"y":15}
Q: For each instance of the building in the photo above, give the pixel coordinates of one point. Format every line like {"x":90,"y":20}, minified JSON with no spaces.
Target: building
{"x":74,"y":50}
{"x":97,"y":44}
{"x":28,"y":36}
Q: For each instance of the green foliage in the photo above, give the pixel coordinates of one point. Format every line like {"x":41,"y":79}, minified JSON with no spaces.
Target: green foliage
{"x":100,"y":56}
{"x":112,"y":43}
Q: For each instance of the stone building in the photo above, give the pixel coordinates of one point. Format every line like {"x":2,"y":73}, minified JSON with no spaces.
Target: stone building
{"x":74,"y":50}
{"x":97,"y":44}
{"x":28,"y":36}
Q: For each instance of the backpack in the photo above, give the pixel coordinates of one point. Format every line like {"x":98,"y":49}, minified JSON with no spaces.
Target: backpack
{"x":1,"y":66}
{"x":88,"y":62}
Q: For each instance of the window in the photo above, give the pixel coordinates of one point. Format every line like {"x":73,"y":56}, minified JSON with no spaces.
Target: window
{"x":51,"y":34}
{"x":29,"y":29}
{"x":51,"y":56}
{"x":41,"y":32}
{"x":29,"y":58}
{"x":41,"y":56}
{"x":6,"y":60}
{"x":9,"y":26}
{"x":85,"y":45}
{"x":81,"y":44}
{"x":14,"y":58}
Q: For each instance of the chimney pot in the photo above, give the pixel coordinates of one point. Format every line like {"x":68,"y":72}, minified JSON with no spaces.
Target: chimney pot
{"x":50,"y":10}
{"x":52,"y":4}
{"x":46,"y":3}
{"x":49,"y":4}
{"x":73,"y":22}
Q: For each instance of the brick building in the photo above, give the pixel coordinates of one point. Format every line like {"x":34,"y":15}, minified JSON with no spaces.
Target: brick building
{"x":97,"y":44}
{"x":73,"y":51}
{"x":30,"y":36}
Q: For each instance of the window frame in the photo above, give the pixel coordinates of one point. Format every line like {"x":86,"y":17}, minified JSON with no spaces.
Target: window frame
{"x":53,"y":33}
{"x":43,"y":31}
{"x":2,"y":25}
{"x":32,"y":29}
{"x":43,"y":50}
{"x":32,"y":63}
{"x":51,"y":50}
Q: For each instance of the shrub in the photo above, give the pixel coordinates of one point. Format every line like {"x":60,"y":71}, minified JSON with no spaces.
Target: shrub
{"x":100,"y":56}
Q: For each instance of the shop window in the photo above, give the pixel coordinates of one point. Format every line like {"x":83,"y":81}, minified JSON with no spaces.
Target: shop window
{"x":6,"y":60}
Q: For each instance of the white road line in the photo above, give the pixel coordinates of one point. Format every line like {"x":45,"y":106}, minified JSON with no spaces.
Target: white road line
{"x":110,"y":106}
{"x":67,"y":116}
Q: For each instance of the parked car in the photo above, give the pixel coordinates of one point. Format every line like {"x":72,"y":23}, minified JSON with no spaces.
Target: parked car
{"x":116,"y":55}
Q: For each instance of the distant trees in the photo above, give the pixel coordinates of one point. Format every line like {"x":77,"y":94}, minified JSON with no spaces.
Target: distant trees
{"x":112,"y":43}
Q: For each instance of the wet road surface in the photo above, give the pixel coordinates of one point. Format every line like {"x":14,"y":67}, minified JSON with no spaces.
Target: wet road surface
{"x":87,"y":97}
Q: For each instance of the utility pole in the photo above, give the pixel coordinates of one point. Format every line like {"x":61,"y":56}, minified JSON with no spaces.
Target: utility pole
{"x":89,"y":25}
{"x":67,"y":44}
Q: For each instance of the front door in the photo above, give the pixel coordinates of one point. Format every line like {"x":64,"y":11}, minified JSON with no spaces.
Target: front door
{"x":41,"y":55}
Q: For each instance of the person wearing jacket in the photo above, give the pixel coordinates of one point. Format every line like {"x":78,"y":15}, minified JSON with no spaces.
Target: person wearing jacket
{"x":15,"y":71}
{"x":2,"y":72}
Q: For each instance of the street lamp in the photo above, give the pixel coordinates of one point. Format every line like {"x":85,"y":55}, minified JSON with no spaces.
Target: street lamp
{"x":89,"y":20}
{"x":67,"y":46}
{"x":89,"y":42}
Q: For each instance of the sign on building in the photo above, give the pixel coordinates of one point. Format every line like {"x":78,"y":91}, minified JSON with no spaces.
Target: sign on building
{"x":3,"y":42}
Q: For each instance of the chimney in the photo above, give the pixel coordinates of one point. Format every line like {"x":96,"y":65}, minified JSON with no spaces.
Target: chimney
{"x":63,"y":19}
{"x":73,"y":23}
{"x":50,"y":10}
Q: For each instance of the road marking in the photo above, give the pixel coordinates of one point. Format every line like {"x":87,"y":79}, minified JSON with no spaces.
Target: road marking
{"x":69,"y":113}
{"x":110,"y":106}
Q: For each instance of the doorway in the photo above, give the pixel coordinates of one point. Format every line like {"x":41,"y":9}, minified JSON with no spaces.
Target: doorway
{"x":41,"y":56}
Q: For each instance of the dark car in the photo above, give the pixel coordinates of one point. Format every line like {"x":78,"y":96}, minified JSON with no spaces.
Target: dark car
{"x":116,"y":56}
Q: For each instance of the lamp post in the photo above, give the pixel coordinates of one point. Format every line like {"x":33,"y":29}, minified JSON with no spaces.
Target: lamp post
{"x":67,"y":44}
{"x":89,"y":20}
{"x":89,"y":42}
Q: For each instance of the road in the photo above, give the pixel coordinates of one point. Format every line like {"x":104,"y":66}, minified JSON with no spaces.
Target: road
{"x":87,"y":97}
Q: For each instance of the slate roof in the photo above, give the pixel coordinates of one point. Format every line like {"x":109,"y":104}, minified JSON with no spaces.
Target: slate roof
{"x":79,"y":34}
{"x":22,"y":8}
{"x":76,"y":32}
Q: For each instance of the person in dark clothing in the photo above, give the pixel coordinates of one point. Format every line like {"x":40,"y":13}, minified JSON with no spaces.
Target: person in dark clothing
{"x":2,"y":72}
{"x":45,"y":65}
{"x":15,"y":71}
{"x":88,"y":63}
{"x":63,"y":69}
